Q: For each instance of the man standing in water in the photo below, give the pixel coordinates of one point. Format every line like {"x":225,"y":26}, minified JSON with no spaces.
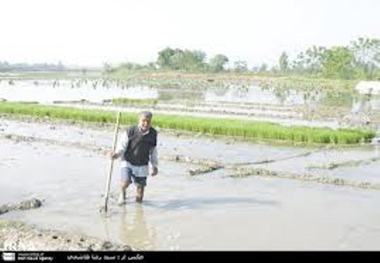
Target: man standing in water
{"x":137,"y":149}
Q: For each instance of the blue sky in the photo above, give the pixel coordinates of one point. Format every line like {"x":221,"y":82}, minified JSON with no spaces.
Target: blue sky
{"x":92,"y":32}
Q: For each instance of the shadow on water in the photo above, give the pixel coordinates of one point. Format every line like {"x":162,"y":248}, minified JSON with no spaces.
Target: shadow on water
{"x":198,"y":203}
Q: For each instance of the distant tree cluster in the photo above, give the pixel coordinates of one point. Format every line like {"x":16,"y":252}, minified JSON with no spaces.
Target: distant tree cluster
{"x":360,"y":59}
{"x":178,"y":59}
{"x":190,"y":60}
{"x":6,"y":67}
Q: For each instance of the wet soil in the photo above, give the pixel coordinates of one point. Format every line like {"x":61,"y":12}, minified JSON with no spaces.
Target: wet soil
{"x":262,"y":196}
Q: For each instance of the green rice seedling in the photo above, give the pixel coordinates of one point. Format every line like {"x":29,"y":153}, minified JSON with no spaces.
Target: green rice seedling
{"x":244,"y":129}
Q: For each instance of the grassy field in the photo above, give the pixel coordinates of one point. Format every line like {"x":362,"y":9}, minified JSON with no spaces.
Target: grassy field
{"x":249,"y":130}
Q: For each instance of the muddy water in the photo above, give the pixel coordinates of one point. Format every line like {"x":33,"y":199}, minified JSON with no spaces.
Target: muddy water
{"x":183,"y":212}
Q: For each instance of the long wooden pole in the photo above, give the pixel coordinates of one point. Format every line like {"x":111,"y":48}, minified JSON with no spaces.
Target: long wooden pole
{"x":108,"y":185}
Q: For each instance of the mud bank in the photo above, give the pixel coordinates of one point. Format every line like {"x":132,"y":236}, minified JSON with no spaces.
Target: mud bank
{"x":244,"y":172}
{"x":20,"y":236}
{"x":24,"y":205}
{"x":351,"y":163}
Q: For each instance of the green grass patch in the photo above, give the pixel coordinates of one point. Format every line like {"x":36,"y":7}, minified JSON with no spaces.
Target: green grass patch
{"x":211,"y":126}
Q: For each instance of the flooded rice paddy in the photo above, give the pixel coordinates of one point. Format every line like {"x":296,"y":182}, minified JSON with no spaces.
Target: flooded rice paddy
{"x":283,"y":105}
{"x":65,"y":166}
{"x":210,"y":194}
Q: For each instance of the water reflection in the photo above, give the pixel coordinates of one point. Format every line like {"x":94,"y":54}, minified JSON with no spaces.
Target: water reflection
{"x":134,"y":229}
{"x":255,"y":94}
{"x":102,"y":89}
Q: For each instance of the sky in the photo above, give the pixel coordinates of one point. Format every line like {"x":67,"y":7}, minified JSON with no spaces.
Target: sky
{"x":94,"y":32}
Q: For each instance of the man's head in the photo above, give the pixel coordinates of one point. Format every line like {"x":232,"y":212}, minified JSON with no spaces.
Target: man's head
{"x":145,"y":119}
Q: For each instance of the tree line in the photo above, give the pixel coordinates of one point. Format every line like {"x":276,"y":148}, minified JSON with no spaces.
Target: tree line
{"x":358,"y":60}
{"x":179,"y":60}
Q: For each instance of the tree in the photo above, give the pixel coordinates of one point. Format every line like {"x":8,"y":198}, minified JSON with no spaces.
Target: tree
{"x":198,"y":57}
{"x":284,"y":62}
{"x":163,"y":60}
{"x":178,"y":59}
{"x":313,"y":59}
{"x":309,"y":61}
{"x":298,"y":65}
{"x":217,"y":63}
{"x":337,"y":62}
{"x":366,"y":56}
{"x":194,"y":60}
{"x":359,"y":60}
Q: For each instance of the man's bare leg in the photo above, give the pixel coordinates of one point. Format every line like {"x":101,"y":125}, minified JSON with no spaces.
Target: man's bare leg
{"x":123,"y":195}
{"x":139,"y":194}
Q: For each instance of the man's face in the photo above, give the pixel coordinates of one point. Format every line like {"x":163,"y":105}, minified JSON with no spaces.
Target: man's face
{"x":144,"y":123}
